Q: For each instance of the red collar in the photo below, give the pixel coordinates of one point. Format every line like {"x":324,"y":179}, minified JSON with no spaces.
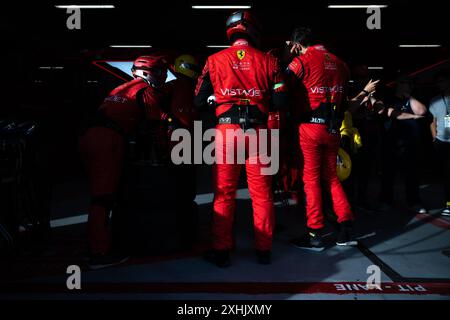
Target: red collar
{"x":240,"y":42}
{"x":318,"y":47}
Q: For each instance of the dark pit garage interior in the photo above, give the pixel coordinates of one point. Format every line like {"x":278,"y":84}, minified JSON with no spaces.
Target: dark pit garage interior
{"x":57,"y":74}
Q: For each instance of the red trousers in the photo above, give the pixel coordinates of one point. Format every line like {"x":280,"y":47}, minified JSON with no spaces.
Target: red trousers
{"x":102,"y":151}
{"x":319,"y":151}
{"x":226,"y":178}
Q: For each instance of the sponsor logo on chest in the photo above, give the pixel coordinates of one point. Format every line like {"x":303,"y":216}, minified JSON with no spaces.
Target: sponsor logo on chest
{"x":253,"y":92}
{"x":333,"y":89}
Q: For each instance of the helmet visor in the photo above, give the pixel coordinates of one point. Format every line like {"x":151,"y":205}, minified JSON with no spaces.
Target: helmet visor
{"x":234,"y":18}
{"x":190,"y":66}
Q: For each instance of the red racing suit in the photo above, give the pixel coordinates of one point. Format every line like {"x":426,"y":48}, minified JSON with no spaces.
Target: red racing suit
{"x":102,"y":150}
{"x":241,"y":78}
{"x":288,"y":175}
{"x":182,"y":107}
{"x":320,"y":92}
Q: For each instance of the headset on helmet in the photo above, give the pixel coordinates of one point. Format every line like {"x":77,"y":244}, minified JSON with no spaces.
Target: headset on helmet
{"x":153,"y":69}
{"x":245,"y":23}
{"x":187,"y":65}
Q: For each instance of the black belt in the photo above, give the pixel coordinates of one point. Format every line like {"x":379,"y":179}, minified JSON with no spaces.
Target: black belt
{"x":238,"y":120}
{"x":246,"y":116}
{"x":314,"y":120}
{"x":332,"y":128}
{"x":326,"y":114}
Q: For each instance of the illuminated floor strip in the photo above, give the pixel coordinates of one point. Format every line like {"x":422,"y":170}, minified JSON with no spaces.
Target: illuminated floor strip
{"x":69,"y":221}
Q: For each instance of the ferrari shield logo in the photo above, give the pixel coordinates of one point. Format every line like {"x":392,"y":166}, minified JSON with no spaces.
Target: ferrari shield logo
{"x":240,"y":54}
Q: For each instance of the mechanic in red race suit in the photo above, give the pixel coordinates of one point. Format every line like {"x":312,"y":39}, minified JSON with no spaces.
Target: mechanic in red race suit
{"x":181,"y":92}
{"x":247,"y":84}
{"x":322,"y":86}
{"x":276,"y":120}
{"x":187,"y":71}
{"x":102,"y":148}
{"x":288,"y":174}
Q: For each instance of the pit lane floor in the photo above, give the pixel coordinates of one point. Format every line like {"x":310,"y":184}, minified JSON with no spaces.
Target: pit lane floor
{"x":408,"y":248}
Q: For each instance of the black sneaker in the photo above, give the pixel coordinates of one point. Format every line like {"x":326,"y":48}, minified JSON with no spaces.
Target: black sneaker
{"x":345,"y":235}
{"x":446,"y":210}
{"x":101,"y":261}
{"x":264,"y":257}
{"x":311,"y":241}
{"x":220,"y":258}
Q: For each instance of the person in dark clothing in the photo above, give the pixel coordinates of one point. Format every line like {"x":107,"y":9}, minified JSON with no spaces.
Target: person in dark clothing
{"x":369,"y":122}
{"x":401,"y":145}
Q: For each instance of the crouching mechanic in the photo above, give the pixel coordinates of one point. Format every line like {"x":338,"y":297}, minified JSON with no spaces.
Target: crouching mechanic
{"x":247,"y":84}
{"x":322,"y":79}
{"x":102,"y":148}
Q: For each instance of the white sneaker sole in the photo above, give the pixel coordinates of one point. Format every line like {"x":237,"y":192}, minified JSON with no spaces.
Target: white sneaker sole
{"x":348,"y":243}
{"x":320,"y":249}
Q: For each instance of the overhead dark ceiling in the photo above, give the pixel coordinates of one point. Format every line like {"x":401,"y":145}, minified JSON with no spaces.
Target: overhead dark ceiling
{"x":39,"y":31}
